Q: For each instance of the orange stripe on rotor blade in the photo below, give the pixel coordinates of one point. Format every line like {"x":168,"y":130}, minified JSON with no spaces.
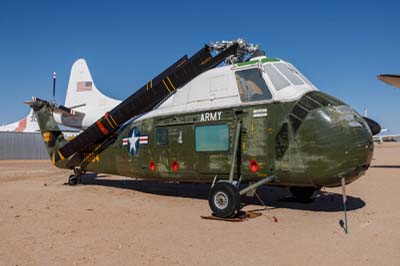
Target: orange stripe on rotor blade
{"x":102,"y":128}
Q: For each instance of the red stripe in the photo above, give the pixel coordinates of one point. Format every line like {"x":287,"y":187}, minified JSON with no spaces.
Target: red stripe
{"x":102,"y":128}
{"x":21,"y":125}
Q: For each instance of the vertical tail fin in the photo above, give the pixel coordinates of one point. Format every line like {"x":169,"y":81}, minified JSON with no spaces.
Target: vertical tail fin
{"x":27,"y":124}
{"x":82,"y":94}
{"x":52,"y":135}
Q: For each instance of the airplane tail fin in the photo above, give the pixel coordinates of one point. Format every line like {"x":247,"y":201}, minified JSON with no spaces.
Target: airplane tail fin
{"x":82,"y":94}
{"x":51,"y":133}
{"x":27,"y":124}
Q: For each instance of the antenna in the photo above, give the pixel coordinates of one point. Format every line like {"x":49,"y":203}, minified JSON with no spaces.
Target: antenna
{"x":54,"y":86}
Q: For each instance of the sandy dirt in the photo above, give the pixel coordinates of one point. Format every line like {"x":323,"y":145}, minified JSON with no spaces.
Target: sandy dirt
{"x":110,"y":220}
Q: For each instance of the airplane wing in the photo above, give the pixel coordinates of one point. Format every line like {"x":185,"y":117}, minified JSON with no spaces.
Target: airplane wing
{"x":382,"y":138}
{"x":393,"y":80}
{"x":61,"y":109}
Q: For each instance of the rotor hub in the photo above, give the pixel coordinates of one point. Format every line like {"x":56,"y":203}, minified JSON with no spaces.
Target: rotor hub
{"x":245,"y":49}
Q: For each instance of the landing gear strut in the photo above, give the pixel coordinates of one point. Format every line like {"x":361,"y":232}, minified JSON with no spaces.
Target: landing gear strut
{"x":224,"y":196}
{"x":75,"y":178}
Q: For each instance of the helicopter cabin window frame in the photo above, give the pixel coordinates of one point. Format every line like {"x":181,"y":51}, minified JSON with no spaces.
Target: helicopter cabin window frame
{"x":162,"y":136}
{"x":277,"y":79}
{"x":212,"y":138}
{"x":252,"y":86}
{"x":290,"y":74}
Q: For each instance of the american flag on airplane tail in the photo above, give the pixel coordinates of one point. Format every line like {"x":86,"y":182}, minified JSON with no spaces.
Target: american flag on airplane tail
{"x":144,"y":140}
{"x":84,"y":86}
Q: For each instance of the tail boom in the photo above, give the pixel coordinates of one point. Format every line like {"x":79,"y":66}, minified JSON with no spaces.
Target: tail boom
{"x":51,"y":133}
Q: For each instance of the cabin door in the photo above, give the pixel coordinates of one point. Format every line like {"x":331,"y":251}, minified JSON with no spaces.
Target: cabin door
{"x":257,"y":149}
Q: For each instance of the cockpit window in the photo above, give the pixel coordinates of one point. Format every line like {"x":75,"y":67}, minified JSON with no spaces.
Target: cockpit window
{"x":252,"y":86}
{"x":292,"y":77}
{"x":277,"y":79}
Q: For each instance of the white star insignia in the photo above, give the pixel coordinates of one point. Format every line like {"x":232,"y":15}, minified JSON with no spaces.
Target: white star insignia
{"x":132,"y":142}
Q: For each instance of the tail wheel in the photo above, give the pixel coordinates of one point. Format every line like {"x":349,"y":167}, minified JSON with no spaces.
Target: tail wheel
{"x":304,"y":193}
{"x":224,"y":199}
{"x":72,"y":180}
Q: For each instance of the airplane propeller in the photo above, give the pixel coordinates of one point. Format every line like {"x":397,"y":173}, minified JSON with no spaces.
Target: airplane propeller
{"x":373,"y":126}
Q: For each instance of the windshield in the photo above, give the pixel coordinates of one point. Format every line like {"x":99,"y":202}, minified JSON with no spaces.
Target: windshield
{"x":283,"y":76}
{"x":252,"y":86}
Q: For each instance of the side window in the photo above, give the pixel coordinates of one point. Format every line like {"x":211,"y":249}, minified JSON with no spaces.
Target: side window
{"x":252,"y":86}
{"x":212,"y":138}
{"x":162,"y":136}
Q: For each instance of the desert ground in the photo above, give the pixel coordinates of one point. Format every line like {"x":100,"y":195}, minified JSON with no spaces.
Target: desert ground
{"x":110,"y":220}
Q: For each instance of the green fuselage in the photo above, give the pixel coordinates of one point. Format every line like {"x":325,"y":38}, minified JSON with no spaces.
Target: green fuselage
{"x":314,"y":141}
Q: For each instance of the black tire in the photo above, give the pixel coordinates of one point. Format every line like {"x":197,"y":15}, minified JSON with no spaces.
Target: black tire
{"x":72,"y":180}
{"x":224,"y":199}
{"x":304,"y":194}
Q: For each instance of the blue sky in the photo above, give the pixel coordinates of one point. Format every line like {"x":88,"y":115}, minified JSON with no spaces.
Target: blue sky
{"x":339,"y":45}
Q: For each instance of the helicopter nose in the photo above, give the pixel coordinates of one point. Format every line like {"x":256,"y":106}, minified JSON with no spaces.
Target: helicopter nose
{"x":335,"y":142}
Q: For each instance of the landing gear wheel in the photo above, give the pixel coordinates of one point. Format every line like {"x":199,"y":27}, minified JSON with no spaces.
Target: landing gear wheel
{"x":72,"y":180}
{"x":224,"y":199}
{"x":304,"y":194}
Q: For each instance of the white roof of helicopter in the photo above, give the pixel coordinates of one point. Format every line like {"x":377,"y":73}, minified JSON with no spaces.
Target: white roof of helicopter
{"x":217,"y":88}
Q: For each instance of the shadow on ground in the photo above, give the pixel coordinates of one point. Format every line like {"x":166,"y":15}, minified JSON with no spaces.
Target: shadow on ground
{"x":273,"y":197}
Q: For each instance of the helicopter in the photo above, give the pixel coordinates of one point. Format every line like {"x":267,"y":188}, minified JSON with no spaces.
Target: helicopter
{"x":229,"y":116}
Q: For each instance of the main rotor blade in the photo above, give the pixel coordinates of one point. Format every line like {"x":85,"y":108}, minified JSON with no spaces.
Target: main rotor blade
{"x":143,"y":100}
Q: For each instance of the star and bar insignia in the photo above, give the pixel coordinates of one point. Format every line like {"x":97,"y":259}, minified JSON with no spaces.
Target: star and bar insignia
{"x":135,"y":140}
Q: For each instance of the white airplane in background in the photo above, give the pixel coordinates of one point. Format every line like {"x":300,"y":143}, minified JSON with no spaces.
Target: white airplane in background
{"x":385,"y":137}
{"x":393,"y":80}
{"x":84,"y":104}
{"x":28,"y":124}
